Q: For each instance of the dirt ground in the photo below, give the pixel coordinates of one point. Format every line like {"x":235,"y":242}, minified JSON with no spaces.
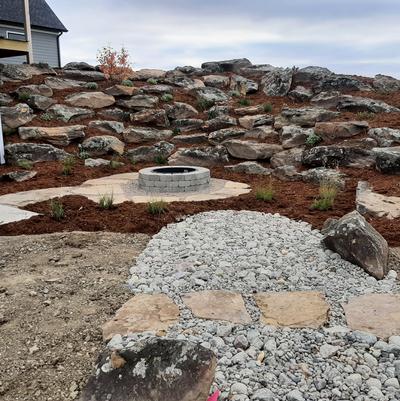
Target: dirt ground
{"x":56,"y":291}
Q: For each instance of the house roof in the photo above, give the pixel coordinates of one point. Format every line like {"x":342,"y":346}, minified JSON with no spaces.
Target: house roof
{"x":42,"y":16}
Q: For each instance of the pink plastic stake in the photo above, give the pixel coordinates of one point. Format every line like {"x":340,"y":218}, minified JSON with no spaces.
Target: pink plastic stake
{"x":215,"y":396}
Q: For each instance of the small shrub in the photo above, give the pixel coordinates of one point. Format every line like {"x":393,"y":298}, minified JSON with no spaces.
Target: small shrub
{"x":160,"y":159}
{"x":268,"y":107}
{"x":244,"y":102}
{"x":56,"y":209}
{"x":212,"y":114}
{"x":176,"y":131}
{"x":127,"y":82}
{"x":157,"y":207}
{"x":204,"y":104}
{"x":25,"y":164}
{"x":114,"y":64}
{"x":83,"y":154}
{"x":266,"y":193}
{"x":67,"y":165}
{"x":46,"y":117}
{"x":313,"y":140}
{"x":91,"y":85}
{"x":365,"y":115}
{"x":24,"y":96}
{"x":235,"y":94}
{"x":152,"y":81}
{"x":115,"y":164}
{"x":167,"y":97}
{"x":106,"y":201}
{"x":326,"y":198}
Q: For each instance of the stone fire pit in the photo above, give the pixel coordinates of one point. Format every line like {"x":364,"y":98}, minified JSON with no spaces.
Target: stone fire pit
{"x":174,"y":179}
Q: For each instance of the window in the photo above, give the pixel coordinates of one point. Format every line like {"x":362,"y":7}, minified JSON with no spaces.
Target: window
{"x":15,"y":35}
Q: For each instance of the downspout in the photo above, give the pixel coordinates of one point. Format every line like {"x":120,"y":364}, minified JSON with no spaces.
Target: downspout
{"x":58,"y":49}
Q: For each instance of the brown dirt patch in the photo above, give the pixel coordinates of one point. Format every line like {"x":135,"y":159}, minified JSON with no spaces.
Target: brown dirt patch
{"x":56,"y":291}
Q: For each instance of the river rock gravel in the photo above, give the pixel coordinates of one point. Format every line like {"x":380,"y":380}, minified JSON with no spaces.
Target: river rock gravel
{"x":251,"y":252}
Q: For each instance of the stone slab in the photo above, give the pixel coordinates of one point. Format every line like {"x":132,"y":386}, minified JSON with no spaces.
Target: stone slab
{"x":144,"y":312}
{"x":217,"y":305}
{"x":10,"y":214}
{"x":293,"y":309}
{"x":374,"y":313}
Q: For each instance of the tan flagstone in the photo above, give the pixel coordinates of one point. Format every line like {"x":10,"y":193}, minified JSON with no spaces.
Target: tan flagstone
{"x":217,"y":305}
{"x":144,"y":312}
{"x":293,"y":309}
{"x":375,"y":313}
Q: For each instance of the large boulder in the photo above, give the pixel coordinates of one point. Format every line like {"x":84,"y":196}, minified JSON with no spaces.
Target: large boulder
{"x":85,"y":75}
{"x":153,"y":369}
{"x":21,"y":72}
{"x":357,"y":104}
{"x":243,"y":85}
{"x":328,"y":100}
{"x":43,"y":90}
{"x":252,"y":168}
{"x":16,"y":116}
{"x":79,"y":65}
{"x":148,"y":73}
{"x":188,"y":124}
{"x":180,"y":110}
{"x":102,"y":145}
{"x":222,"y":135}
{"x":355,"y":240}
{"x":290,"y":157}
{"x":40,"y":102}
{"x":141,"y":135}
{"x":139,"y":102}
{"x":61,"y":136}
{"x":293,"y":136}
{"x":277,"y":82}
{"x":216,"y":81}
{"x":385,"y":136}
{"x":338,"y":155}
{"x":251,"y":150}
{"x":311,"y":75}
{"x":226,"y":65}
{"x":185,"y":82}
{"x":93,"y":100}
{"x":62,"y":84}
{"x":121,"y":90}
{"x":257,"y":120}
{"x":33,"y":152}
{"x":151,"y":153}
{"x":388,"y":160}
{"x":157,"y":117}
{"x":334,"y":130}
{"x":386,"y":84}
{"x":304,"y":117}
{"x":201,"y":156}
{"x":211,"y":95}
{"x":341,"y":83}
{"x":69,"y":114}
{"x":191,"y":139}
{"x":107,"y":127}
{"x":320,"y":175}
{"x":157,"y":89}
{"x":220,"y":122}
{"x":300,"y":94}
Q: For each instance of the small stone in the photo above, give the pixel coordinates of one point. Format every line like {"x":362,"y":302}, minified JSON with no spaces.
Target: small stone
{"x":295,"y":395}
{"x":239,"y":388}
{"x":241,"y":342}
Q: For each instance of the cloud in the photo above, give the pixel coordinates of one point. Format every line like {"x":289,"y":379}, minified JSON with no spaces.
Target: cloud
{"x":163,"y":34}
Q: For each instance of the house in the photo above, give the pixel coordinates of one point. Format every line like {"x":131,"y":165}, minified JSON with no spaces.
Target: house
{"x":46,"y":30}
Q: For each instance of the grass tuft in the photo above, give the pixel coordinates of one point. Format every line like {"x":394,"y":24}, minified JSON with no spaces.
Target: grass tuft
{"x":266,"y":194}
{"x":244,"y":102}
{"x":326,"y":198}
{"x":204,"y":105}
{"x":68,"y":165}
{"x":25,"y":164}
{"x":106,"y":201}
{"x":152,"y":81}
{"x":167,"y":97}
{"x":157,"y":207}
{"x":365,"y":115}
{"x":268,"y":107}
{"x":91,"y":85}
{"x":127,"y":82}
{"x":57,"y":210}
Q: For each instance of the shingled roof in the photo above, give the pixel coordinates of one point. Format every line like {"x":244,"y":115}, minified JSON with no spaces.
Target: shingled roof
{"x":42,"y":16}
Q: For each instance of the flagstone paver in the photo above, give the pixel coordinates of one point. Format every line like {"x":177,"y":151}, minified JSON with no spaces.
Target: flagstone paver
{"x":9,"y":214}
{"x":144,"y":312}
{"x":375,"y":313}
{"x":293,"y":309}
{"x":217,"y":305}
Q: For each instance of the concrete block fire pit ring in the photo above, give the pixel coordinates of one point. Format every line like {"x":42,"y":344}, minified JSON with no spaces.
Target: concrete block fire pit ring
{"x":172,"y":179}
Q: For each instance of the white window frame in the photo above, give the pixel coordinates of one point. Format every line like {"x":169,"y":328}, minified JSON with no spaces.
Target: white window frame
{"x":14,"y":33}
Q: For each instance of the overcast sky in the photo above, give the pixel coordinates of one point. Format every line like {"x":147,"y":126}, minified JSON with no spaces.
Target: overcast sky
{"x":347,"y":36}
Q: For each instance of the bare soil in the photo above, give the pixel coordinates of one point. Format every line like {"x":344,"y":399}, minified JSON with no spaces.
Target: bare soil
{"x":56,"y":291}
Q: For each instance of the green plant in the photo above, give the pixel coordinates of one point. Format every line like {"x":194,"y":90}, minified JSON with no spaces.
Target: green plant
{"x":235,"y":94}
{"x":46,"y":117}
{"x":204,"y":104}
{"x":313,"y":139}
{"x":268,"y":107}
{"x":160,"y":159}
{"x":176,"y":131}
{"x":106,"y":201}
{"x":67,"y":165}
{"x":83,"y":154}
{"x":25,"y":164}
{"x":127,"y":82}
{"x":152,"y":81}
{"x":157,"y":207}
{"x":56,"y":209}
{"x":115,"y":164}
{"x":167,"y":97}
{"x":266,"y":193}
{"x":212,"y":114}
{"x":91,"y":85}
{"x":114,"y":64}
{"x":365,"y":115}
{"x":24,"y":96}
{"x":244,"y":102}
{"x":326,"y":198}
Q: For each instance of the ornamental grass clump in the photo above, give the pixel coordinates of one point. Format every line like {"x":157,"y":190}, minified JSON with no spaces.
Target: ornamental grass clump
{"x":68,"y":165}
{"x":25,"y":164}
{"x":266,"y":194}
{"x":157,"y":207}
{"x":326,"y":198}
{"x":106,"y":202}
{"x":56,"y":210}
{"x":244,"y":102}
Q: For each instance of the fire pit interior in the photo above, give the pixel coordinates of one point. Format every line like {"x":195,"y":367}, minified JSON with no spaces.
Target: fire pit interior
{"x":174,"y":179}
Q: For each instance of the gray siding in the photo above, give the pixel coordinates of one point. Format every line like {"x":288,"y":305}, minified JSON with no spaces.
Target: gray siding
{"x":44,"y":47}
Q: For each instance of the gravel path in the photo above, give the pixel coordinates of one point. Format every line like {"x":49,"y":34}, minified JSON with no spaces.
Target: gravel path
{"x":250,"y":252}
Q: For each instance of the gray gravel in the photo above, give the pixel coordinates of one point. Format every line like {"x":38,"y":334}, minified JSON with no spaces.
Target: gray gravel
{"x":252,"y":252}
